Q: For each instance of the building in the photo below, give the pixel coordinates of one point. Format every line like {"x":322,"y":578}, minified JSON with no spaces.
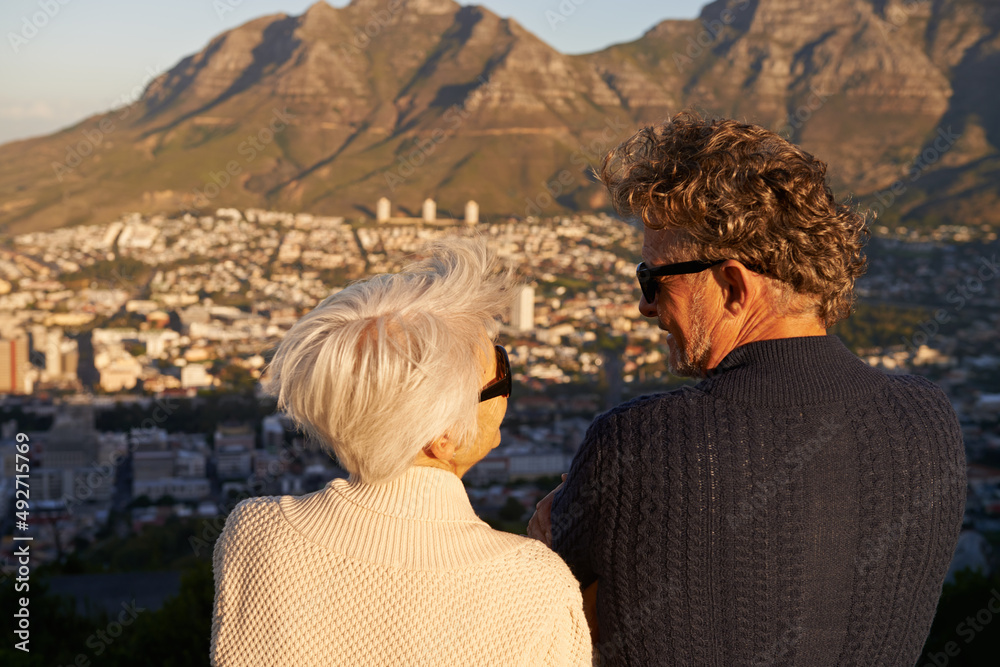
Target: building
{"x":194,"y":314}
{"x":72,"y":441}
{"x":178,"y":488}
{"x":61,"y":354}
{"x":121,"y":373}
{"x":522,"y":317}
{"x":160,"y":469}
{"x":429,"y":211}
{"x":471,"y":212}
{"x":241,"y":435}
{"x":537,"y":464}
{"x":50,"y":483}
{"x":273,"y":430}
{"x":70,"y":351}
{"x":383,"y":210}
{"x":15,"y":377}
{"x":233,"y":461}
{"x":156,"y":342}
{"x":92,"y":483}
{"x":111,"y":447}
{"x":148,"y":439}
{"x":70,"y":466}
{"x":507,"y":464}
{"x":268,"y":467}
{"x":189,"y":464}
{"x":53,"y":347}
{"x":234,"y":446}
{"x":152,"y":465}
{"x":195,"y":376}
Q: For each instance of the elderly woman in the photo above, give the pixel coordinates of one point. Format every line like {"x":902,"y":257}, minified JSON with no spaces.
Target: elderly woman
{"x":399,"y":377}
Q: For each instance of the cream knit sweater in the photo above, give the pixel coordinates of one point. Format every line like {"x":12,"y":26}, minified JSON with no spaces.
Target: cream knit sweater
{"x":402,"y":573}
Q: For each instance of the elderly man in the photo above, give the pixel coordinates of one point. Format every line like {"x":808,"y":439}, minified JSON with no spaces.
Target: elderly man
{"x":796,"y":506}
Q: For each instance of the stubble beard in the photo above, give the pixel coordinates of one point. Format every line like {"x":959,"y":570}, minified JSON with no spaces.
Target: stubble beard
{"x":691,"y":359}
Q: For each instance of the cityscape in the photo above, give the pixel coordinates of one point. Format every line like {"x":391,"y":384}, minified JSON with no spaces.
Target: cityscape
{"x":181,"y":183}
{"x":157,"y":312}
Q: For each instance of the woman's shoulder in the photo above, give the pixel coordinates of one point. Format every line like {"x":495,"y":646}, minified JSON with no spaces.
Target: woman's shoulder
{"x":535,"y":559}
{"x":249,"y":507}
{"x":260,"y":507}
{"x":251,"y":515}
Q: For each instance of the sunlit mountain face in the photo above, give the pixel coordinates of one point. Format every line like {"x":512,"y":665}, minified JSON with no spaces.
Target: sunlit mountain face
{"x":329,"y":111}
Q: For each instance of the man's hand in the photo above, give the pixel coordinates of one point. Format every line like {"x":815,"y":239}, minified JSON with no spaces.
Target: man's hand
{"x":540,"y":525}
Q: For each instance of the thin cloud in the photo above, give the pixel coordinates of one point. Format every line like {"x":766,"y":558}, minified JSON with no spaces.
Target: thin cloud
{"x":33,"y":110}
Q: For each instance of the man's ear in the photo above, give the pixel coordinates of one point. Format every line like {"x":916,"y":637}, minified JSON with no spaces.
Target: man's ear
{"x":739,"y":287}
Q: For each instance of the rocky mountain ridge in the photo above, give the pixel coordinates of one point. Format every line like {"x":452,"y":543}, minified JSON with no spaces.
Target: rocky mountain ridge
{"x":330,"y":110}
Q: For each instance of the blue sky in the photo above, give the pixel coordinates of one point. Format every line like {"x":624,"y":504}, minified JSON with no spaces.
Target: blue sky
{"x":86,"y":56}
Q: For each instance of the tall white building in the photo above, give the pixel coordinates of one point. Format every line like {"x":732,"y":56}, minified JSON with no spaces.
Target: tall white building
{"x":69,"y":353}
{"x":383,"y":210}
{"x":234,"y":449}
{"x":39,"y":337}
{"x":53,"y":354}
{"x":429,"y":210}
{"x":471,"y":212}
{"x":522,"y":317}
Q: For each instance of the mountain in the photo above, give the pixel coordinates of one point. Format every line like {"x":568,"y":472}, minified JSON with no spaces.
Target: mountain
{"x":330,"y":110}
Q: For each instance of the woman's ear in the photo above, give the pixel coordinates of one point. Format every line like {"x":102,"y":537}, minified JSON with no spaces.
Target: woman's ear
{"x":441,"y":448}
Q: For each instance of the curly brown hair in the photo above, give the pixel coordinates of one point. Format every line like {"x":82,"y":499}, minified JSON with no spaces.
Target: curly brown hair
{"x":739,"y":191}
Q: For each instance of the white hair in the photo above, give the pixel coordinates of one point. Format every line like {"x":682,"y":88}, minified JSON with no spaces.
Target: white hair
{"x":380,"y":369}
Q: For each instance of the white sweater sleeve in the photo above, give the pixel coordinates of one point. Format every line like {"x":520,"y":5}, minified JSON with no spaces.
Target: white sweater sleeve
{"x":571,"y":643}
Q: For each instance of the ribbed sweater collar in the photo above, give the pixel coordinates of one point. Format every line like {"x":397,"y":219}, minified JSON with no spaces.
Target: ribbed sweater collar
{"x":792,"y":371}
{"x":420,"y":520}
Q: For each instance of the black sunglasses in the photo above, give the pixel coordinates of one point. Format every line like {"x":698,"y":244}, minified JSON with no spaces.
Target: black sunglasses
{"x":501,"y":385}
{"x":646,"y":275}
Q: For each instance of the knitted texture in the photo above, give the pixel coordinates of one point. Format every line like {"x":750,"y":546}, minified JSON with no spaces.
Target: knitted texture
{"x":795,"y":508}
{"x":402,"y":573}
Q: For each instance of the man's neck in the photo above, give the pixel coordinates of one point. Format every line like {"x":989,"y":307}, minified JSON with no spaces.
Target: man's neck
{"x":769,"y":329}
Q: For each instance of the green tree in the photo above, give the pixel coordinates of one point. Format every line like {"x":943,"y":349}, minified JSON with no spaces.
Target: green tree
{"x":176,"y":635}
{"x":963,"y":607}
{"x":512,"y":510}
{"x":237,"y":379}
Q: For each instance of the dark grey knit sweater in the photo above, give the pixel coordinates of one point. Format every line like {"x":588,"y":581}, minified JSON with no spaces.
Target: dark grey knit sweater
{"x":796,"y":508}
